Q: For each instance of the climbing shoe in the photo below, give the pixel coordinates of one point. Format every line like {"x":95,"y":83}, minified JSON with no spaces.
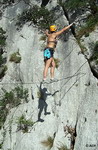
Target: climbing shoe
{"x":45,"y":81}
{"x":53,"y":80}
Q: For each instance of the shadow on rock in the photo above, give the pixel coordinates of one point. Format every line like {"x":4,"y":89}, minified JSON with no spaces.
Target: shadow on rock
{"x":42,"y":105}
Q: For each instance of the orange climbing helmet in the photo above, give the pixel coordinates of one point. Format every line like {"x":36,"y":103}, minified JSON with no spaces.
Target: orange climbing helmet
{"x":53,"y":28}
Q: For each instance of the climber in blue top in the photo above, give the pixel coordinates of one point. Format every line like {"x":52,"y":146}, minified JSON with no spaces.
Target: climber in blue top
{"x":49,"y":50}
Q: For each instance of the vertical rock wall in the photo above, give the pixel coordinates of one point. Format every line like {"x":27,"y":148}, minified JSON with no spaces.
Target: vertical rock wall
{"x":68,"y":110}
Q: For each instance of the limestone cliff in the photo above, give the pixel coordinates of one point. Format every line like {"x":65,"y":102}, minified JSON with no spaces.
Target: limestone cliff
{"x":61,"y":115}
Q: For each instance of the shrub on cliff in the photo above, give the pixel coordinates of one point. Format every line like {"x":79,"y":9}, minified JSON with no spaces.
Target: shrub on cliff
{"x":1,"y":60}
{"x":39,"y":16}
{"x":91,"y":22}
{"x":74,"y":4}
{"x":3,"y":67}
{"x":2,"y":37}
{"x":10,"y":100}
{"x":3,"y":70}
{"x":24,"y":124}
{"x":57,"y":62}
{"x":48,"y":142}
{"x":63,"y":147}
{"x":15,"y":57}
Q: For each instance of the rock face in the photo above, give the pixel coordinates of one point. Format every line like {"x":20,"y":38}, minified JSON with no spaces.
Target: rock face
{"x":55,"y":115}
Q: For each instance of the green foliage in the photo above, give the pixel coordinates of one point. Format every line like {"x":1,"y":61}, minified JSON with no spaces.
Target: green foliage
{"x":82,"y":47}
{"x":15,"y":57}
{"x":3,"y":135}
{"x":43,"y":38}
{"x":3,"y":67}
{"x":1,"y":144}
{"x":3,"y":70}
{"x":43,"y":46}
{"x":24,"y":124}
{"x":1,"y":60}
{"x":63,"y":147}
{"x":2,"y":41}
{"x":77,"y":4}
{"x":48,"y":142}
{"x":22,"y":93}
{"x":96,"y":47}
{"x":93,"y":6}
{"x":3,"y":114}
{"x":2,"y":37}
{"x":2,"y":32}
{"x":57,"y":62}
{"x":11,"y":99}
{"x":39,"y":16}
{"x":39,"y":94}
{"x":74,"y":4}
{"x":91,"y":22}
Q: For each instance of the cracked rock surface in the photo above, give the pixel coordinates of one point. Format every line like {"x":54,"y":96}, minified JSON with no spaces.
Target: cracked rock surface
{"x":66,"y":110}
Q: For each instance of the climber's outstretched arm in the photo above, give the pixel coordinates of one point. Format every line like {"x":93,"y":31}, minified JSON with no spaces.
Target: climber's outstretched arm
{"x":64,"y":29}
{"x":46,"y":32}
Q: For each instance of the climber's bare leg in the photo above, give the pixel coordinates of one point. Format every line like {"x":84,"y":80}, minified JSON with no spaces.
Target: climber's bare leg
{"x":47,"y":65}
{"x":52,"y":68}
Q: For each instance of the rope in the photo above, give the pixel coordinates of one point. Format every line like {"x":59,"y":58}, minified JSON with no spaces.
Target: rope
{"x":40,"y":82}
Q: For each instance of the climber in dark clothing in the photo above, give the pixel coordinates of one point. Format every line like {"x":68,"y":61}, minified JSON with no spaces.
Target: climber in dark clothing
{"x":49,"y":50}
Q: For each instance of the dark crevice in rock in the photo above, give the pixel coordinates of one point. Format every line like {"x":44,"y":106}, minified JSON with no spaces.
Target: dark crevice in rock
{"x":73,"y":134}
{"x":93,"y":70}
{"x":93,"y":7}
{"x":66,"y":15}
{"x":93,"y":60}
{"x":1,"y":50}
{"x":92,"y":67}
{"x":44,"y":3}
{"x":3,"y":59}
{"x":73,"y":139}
